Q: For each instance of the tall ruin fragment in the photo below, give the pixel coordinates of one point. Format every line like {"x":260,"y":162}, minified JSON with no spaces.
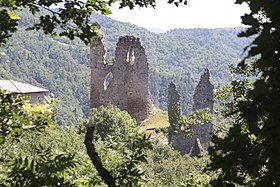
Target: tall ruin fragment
{"x":203,"y":98}
{"x":125,"y":82}
{"x":179,"y":139}
{"x":200,"y":137}
{"x":174,"y":109}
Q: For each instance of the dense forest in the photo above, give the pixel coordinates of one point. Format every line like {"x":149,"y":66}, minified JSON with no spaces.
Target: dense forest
{"x":62,"y":65}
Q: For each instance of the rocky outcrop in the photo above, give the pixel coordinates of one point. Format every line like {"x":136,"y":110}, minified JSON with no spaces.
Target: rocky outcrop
{"x":125,"y":82}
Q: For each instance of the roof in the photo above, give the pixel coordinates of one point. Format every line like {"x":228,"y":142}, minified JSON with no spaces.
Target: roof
{"x":19,"y":87}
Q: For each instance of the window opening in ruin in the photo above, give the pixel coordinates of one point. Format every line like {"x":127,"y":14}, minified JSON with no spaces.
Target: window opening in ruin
{"x":108,"y":79}
{"x":130,"y":56}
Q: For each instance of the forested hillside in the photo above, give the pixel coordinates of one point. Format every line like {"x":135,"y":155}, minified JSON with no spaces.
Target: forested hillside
{"x":62,"y":66}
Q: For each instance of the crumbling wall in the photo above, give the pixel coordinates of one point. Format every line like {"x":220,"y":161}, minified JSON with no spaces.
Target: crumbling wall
{"x":199,"y":139}
{"x":174,"y":111}
{"x":99,"y":70}
{"x":176,"y":138}
{"x":125,"y":83}
{"x":203,"y":98}
{"x":203,"y":95}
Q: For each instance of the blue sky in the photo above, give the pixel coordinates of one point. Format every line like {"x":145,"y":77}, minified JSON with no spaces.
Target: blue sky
{"x":198,"y":14}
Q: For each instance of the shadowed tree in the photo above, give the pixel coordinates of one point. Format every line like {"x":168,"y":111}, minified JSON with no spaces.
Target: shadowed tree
{"x":249,"y":155}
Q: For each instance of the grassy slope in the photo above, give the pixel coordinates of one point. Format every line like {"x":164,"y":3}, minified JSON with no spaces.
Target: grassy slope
{"x":152,"y":125}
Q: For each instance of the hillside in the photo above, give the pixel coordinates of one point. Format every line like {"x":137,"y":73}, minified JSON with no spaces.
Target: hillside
{"x":62,"y":66}
{"x":156,"y":126}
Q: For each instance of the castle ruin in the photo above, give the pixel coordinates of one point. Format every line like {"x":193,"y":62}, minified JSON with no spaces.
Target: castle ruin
{"x":174,"y":110}
{"x":203,"y":98}
{"x":123,"y":83}
{"x":200,"y":137}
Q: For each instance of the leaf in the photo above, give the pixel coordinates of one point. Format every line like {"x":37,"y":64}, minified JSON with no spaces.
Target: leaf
{"x":13,"y":15}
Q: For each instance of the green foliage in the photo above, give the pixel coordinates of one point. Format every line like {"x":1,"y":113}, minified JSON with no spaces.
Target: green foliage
{"x":120,"y":146}
{"x":230,"y":148}
{"x":17,"y":119}
{"x":174,"y":113}
{"x":197,"y":180}
{"x":43,"y":149}
{"x":249,"y":155}
{"x":175,"y":118}
{"x":17,"y":116}
{"x":49,"y":170}
{"x":200,"y":117}
{"x":166,"y":167}
{"x":50,"y":63}
{"x":111,"y":122}
{"x":8,"y":24}
{"x":71,"y":16}
{"x":181,"y":123}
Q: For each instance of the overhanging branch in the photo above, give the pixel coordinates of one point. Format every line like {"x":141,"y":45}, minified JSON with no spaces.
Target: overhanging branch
{"x":103,"y":172}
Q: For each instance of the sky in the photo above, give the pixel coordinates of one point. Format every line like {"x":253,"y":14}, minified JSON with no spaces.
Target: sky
{"x":197,"y":14}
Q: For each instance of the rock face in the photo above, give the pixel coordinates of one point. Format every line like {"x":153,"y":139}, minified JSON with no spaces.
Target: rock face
{"x":200,"y":138}
{"x":123,"y":84}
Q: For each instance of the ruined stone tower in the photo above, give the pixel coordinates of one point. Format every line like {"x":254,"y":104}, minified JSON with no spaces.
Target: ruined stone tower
{"x":174,"y":109}
{"x":203,"y":98}
{"x":125,"y":82}
{"x":200,"y":137}
{"x":179,"y":140}
{"x":203,"y":95}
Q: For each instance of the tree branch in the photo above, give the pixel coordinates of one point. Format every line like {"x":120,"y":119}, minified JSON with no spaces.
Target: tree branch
{"x":103,"y":172}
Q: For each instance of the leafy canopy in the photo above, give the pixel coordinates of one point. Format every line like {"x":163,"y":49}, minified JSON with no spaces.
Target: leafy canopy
{"x":18,"y":117}
{"x":249,"y":155}
{"x":123,"y":147}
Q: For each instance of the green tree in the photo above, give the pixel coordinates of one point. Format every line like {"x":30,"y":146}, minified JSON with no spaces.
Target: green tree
{"x":249,"y":155}
{"x":167,"y":167}
{"x":123,"y":147}
{"x":19,"y":117}
{"x":46,"y":155}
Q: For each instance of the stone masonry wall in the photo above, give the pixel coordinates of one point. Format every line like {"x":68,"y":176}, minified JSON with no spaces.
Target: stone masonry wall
{"x":200,"y":138}
{"x":203,"y":98}
{"x":179,"y":141}
{"x":125,"y":83}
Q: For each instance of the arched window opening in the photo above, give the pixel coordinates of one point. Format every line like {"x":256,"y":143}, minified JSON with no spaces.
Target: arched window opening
{"x":108,"y":79}
{"x":130,"y":58}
